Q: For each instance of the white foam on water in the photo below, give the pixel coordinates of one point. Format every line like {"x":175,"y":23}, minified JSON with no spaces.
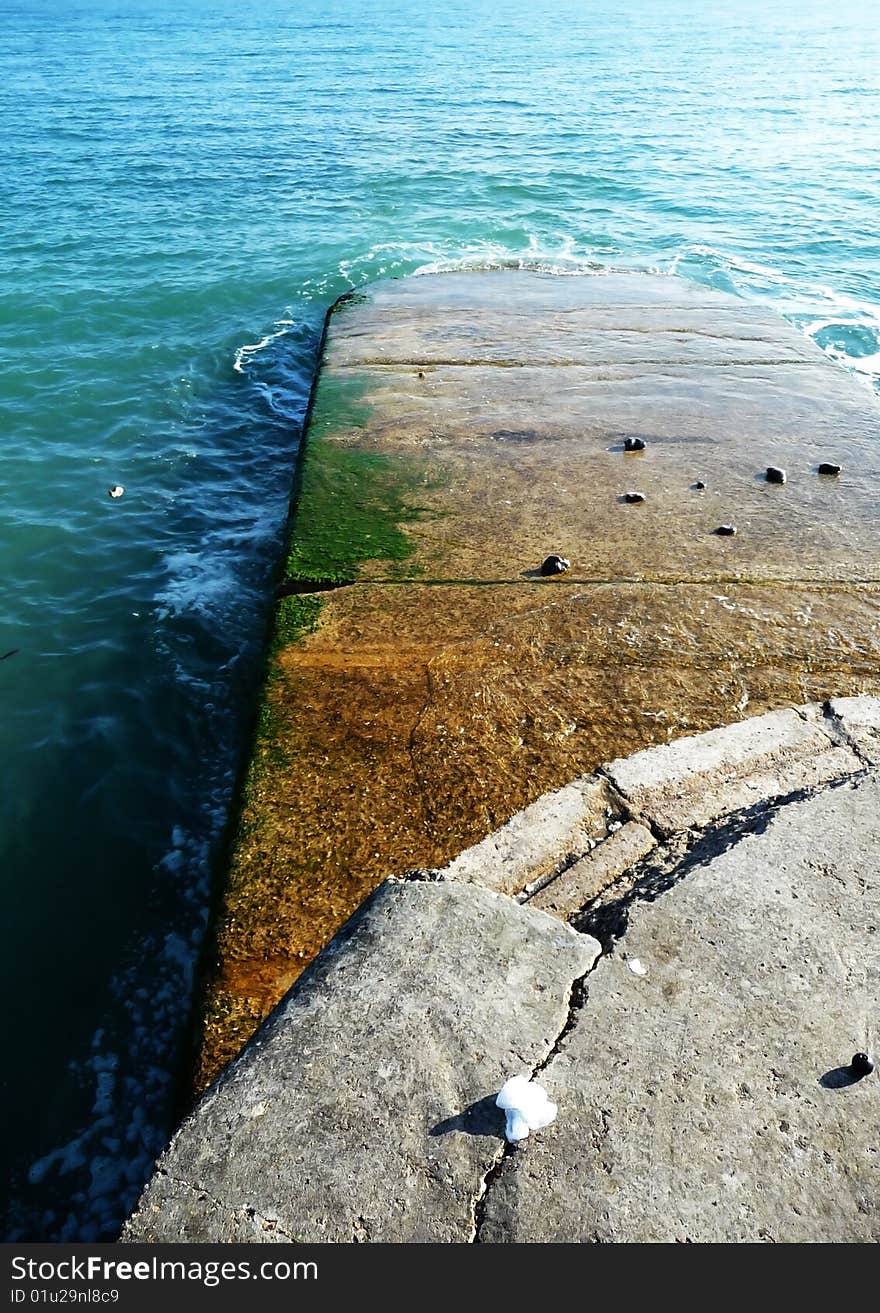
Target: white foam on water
{"x":243,"y":353}
{"x":115,"y":1151}
{"x":814,"y":308}
{"x":562,"y":260}
{"x":818,"y":310}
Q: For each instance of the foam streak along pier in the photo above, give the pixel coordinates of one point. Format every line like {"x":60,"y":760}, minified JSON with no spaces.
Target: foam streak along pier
{"x":464,"y":426}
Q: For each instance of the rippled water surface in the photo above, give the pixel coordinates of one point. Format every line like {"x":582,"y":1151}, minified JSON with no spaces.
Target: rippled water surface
{"x":185,"y":188}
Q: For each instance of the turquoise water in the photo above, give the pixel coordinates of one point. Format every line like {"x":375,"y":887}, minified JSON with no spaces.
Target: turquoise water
{"x":185,"y":188}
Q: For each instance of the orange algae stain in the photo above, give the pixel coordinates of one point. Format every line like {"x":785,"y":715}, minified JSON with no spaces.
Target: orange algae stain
{"x":397,"y":751}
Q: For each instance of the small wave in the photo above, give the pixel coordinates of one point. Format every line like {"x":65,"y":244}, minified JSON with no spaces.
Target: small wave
{"x":845,"y":327}
{"x":243,"y":353}
{"x":108,"y":1159}
{"x":562,"y":259}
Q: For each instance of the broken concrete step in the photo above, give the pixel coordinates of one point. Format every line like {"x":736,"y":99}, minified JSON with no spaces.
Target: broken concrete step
{"x":859,"y":719}
{"x":704,"y":1092}
{"x":540,"y":837}
{"x":364,"y":1108}
{"x":587,"y":878}
{"x":695,"y":780}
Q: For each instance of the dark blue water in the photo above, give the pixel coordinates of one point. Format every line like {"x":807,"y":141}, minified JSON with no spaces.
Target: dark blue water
{"x":184,"y":190}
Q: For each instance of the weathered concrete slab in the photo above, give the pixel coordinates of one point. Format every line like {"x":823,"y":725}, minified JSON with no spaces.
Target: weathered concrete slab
{"x":694,"y":780}
{"x":538,"y":838}
{"x":859,"y":718}
{"x":572,"y":337}
{"x":414,"y":712}
{"x":586,"y":879}
{"x":505,"y":464}
{"x":708,"y":1100}
{"x":364,"y":1109}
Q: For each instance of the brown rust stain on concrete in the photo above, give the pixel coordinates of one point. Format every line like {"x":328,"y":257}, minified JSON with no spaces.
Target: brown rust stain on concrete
{"x":465,"y":427}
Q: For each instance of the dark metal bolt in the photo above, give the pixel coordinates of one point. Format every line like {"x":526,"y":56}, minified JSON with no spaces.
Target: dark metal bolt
{"x":861,"y":1065}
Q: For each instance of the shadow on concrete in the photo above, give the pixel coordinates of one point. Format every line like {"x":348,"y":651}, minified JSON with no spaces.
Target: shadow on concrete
{"x":838,"y":1078}
{"x":608,"y":921}
{"x":481,"y":1118}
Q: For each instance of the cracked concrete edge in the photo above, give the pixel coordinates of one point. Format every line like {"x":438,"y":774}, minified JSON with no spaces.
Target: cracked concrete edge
{"x":586,"y":878}
{"x":856,"y":722}
{"x":199,"y":1211}
{"x":541,"y":839}
{"x":671,"y":861}
{"x":570,"y":844}
{"x":575,"y":1003}
{"x":692,"y":781}
{"x":235,"y":1223}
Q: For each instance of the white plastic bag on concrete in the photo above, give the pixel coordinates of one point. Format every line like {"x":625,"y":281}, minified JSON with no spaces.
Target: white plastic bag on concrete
{"x":527,"y":1107}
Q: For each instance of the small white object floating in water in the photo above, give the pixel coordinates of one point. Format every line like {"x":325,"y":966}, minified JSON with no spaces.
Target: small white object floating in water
{"x":637,"y":967}
{"x":116,"y":491}
{"x":527,"y":1107}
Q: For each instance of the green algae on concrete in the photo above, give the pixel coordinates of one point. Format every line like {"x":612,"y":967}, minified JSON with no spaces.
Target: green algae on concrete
{"x":294,"y":618}
{"x":353,"y":506}
{"x":354,"y":501}
{"x":465,"y":426}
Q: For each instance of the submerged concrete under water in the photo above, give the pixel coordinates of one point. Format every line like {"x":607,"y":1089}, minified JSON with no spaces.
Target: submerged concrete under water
{"x":464,"y":427}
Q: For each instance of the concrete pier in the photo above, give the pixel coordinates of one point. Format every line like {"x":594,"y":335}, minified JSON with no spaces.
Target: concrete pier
{"x":464,"y":427}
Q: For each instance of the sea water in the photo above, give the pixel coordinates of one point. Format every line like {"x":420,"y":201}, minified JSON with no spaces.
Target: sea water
{"x":184,"y":189}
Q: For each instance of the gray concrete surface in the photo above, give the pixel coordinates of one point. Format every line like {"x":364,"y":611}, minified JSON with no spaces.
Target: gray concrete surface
{"x":579,"y":884}
{"x":692,"y":1102}
{"x":363,"y":1109}
{"x":859,"y":720}
{"x":699,"y":1065}
{"x":694,"y":780}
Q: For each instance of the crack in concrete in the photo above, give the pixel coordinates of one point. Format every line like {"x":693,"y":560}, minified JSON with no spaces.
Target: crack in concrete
{"x":607,"y":920}
{"x":577,"y":998}
{"x":629,"y":811}
{"x":838,"y":733}
{"x":411,"y":751}
{"x":397,"y":365}
{"x":299,"y":587}
{"x":616,"y":581}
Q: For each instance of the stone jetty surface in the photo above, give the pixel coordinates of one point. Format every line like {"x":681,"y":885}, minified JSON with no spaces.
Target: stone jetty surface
{"x":426,"y":682}
{"x":682,"y":948}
